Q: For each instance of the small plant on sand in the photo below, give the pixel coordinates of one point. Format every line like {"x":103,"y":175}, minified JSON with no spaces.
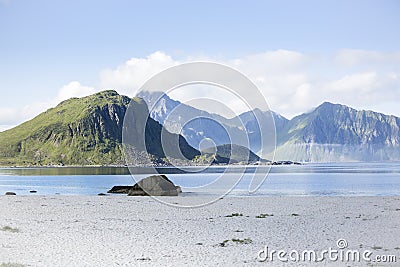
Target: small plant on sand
{"x":223,"y":244}
{"x":10,"y":229}
{"x":236,"y":241}
{"x":144,"y":259}
{"x":264,"y":215}
{"x":234,"y":215}
{"x":242,"y":241}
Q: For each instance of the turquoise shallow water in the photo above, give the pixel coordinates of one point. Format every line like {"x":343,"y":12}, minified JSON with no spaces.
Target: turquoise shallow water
{"x":344,"y":179}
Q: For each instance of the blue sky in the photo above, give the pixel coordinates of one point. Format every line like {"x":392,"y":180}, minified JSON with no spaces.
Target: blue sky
{"x":46,"y":45}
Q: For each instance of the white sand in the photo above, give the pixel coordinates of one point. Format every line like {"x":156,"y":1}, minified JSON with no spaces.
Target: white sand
{"x":131,"y":231}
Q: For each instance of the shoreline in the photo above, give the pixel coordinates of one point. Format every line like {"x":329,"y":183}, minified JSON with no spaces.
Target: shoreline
{"x":196,"y":166}
{"x":270,"y":163}
{"x":119,"y":230}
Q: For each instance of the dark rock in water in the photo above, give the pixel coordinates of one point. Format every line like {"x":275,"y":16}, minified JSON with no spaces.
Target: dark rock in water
{"x":155,"y":185}
{"x":10,"y":194}
{"x":120,"y":189}
{"x":33,"y":191}
{"x":101,"y":194}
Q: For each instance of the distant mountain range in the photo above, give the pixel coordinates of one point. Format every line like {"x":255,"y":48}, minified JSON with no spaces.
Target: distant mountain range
{"x":334,"y":132}
{"x":331,"y":132}
{"x":196,"y":125}
{"x":89,"y":131}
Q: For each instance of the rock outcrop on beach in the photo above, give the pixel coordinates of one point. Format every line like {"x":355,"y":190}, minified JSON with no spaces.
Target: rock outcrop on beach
{"x":120,"y":189}
{"x":155,"y":185}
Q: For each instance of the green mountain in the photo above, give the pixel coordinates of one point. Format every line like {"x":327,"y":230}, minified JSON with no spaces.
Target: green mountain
{"x":83,"y":131}
{"x":89,"y":131}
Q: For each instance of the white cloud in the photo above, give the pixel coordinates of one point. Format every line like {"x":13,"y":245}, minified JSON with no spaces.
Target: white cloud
{"x":6,"y":116}
{"x":292,"y":82}
{"x":10,"y":117}
{"x":270,"y":62}
{"x":271,"y":71}
{"x":128,"y":77}
{"x":353,"y":57}
{"x":361,"y":82}
{"x":200,"y":96}
{"x":279,"y":75}
{"x":73,"y":89}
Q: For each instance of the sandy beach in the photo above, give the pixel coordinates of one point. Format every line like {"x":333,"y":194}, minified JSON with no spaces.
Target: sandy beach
{"x":132,"y":231}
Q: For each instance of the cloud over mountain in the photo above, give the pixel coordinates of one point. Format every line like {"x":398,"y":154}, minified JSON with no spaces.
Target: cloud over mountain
{"x":291,"y":81}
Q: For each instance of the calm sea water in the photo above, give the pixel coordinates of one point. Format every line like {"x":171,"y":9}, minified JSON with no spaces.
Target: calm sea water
{"x":344,"y":179}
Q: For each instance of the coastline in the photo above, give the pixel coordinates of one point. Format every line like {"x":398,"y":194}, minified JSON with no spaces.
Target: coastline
{"x":267,"y":163}
{"x":120,"y":230}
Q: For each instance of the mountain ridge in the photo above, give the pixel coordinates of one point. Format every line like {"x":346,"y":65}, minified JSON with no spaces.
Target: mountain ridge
{"x":336,"y":132}
{"x":89,"y":131}
{"x":329,"y":132}
{"x":98,"y":130}
{"x":78,"y":131}
{"x":196,"y":124}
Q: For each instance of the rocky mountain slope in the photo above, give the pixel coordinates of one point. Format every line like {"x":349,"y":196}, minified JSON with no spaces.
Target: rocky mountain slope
{"x":81,"y":131}
{"x":334,"y":132}
{"x":89,"y":131}
{"x":331,"y":132}
{"x":196,"y":124}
